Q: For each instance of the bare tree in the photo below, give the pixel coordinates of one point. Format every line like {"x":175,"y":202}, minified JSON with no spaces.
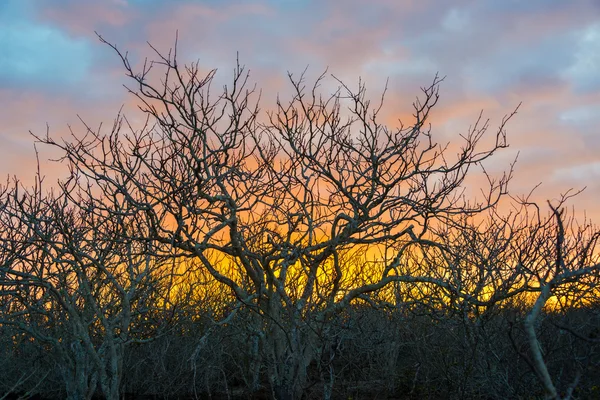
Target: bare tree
{"x":77,"y":283}
{"x":276,"y":240}
{"x":542,"y":262}
{"x":566,"y":268}
{"x":285,"y":210}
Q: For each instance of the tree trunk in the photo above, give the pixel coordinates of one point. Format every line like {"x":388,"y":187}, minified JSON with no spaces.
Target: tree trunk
{"x":283,"y":391}
{"x":287,"y":374}
{"x":78,"y":374}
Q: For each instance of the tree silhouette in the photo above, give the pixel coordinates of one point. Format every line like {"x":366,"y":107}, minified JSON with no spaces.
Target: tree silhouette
{"x":303,"y":213}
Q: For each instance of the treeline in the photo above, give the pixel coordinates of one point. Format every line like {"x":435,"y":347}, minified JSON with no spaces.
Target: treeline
{"x":371,"y":353}
{"x":309,"y":251}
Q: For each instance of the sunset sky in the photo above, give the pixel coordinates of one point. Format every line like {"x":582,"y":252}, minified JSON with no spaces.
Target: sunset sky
{"x":494,"y":54}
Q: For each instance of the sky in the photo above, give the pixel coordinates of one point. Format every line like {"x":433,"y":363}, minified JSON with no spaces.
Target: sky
{"x":494,"y":54}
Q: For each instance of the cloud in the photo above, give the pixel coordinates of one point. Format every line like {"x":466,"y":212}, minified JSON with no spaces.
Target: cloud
{"x":38,"y":54}
{"x":495,"y":54}
{"x":579,"y":174}
{"x":582,"y":116}
{"x":584,"y":70}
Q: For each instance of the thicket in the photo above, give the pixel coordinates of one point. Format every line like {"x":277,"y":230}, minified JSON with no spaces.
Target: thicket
{"x":216,"y":250}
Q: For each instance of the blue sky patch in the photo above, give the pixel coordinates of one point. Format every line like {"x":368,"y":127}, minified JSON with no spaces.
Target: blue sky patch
{"x":38,"y":54}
